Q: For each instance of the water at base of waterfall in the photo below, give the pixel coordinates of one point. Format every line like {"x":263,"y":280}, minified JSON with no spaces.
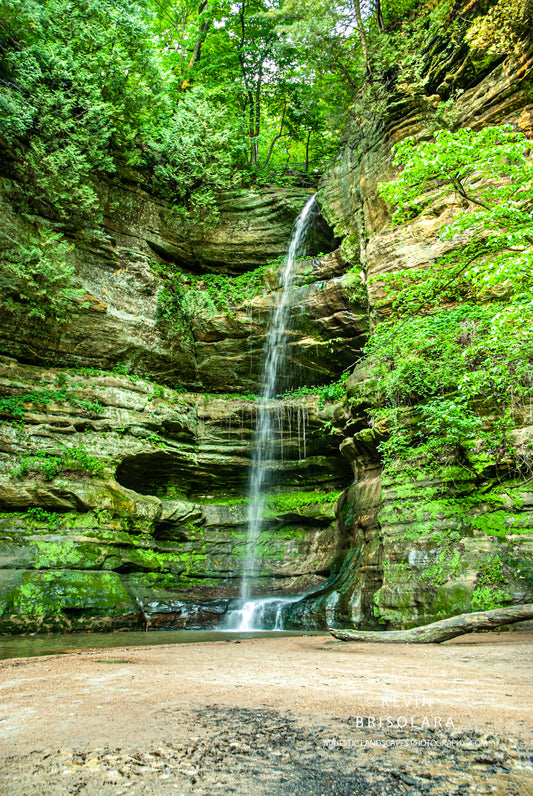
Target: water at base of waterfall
{"x":263,"y":613}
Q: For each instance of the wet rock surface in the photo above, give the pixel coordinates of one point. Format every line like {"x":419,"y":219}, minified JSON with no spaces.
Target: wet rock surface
{"x":159,"y":527}
{"x":409,"y":583}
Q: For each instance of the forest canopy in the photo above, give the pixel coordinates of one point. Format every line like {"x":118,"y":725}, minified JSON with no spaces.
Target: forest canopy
{"x":196,"y":96}
{"x":190,"y":98}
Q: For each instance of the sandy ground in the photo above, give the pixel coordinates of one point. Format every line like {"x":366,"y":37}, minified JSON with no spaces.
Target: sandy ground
{"x":299,"y":715}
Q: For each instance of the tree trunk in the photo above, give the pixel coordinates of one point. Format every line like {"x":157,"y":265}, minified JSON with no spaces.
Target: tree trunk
{"x":278,"y":136}
{"x":437,"y":632}
{"x":362,"y":34}
{"x":203,"y":30}
{"x":378,"y":15}
{"x":307,"y":151}
{"x":252,"y":140}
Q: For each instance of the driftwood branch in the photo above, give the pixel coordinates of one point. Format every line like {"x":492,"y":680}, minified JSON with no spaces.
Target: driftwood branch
{"x":437,"y":632}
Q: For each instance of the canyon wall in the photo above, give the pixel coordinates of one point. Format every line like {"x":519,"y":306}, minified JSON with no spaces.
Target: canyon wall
{"x":125,"y":439}
{"x":435,"y":537}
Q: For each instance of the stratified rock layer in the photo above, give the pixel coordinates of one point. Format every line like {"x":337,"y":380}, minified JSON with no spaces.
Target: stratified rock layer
{"x":160,"y":528}
{"x":121,"y":267}
{"x":435,"y":535}
{"x":146,"y":525}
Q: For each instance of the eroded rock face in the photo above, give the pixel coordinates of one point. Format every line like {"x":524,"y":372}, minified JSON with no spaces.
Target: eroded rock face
{"x":441,"y":534}
{"x":156,"y":532}
{"x":166,"y":517}
{"x":433,"y":537}
{"x":151,"y":515}
{"x":349,"y":191}
{"x":253,"y":228}
{"x":229,"y":348}
{"x":117,"y":324}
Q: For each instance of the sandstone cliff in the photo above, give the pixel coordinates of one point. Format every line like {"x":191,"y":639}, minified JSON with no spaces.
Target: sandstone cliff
{"x":125,"y":437}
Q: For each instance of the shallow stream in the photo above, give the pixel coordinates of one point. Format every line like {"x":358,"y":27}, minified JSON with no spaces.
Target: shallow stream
{"x":54,"y":644}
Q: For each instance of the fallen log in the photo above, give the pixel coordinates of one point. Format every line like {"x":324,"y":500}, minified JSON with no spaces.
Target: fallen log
{"x":437,"y":632}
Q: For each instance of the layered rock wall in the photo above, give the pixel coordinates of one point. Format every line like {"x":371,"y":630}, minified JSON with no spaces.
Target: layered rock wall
{"x":436,"y":536}
{"x":160,"y":520}
{"x":123,"y":497}
{"x":125,"y":439}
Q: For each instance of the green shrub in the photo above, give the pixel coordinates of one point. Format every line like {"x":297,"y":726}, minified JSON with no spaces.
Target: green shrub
{"x":15,"y":405}
{"x":36,"y":274}
{"x":48,"y":464}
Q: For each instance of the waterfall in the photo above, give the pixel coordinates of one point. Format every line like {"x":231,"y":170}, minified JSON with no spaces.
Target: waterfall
{"x":264,"y":438}
{"x":260,"y":614}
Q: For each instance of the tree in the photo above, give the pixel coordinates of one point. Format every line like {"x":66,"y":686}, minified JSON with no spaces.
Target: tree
{"x":490,"y":172}
{"x":248,"y":64}
{"x":182,"y":29}
{"x":457,"y":335}
{"x":86,"y":90}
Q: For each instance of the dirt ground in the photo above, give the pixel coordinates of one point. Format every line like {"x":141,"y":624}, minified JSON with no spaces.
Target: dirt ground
{"x":304,"y":716}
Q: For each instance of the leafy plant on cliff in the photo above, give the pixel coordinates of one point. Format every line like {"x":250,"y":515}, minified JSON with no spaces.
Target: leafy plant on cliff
{"x":36,"y":273}
{"x":15,"y":405}
{"x":458,"y":336}
{"x":490,"y":175}
{"x":489,"y":592}
{"x":334,"y":392}
{"x":285,"y":502}
{"x":180,"y":308}
{"x":185,"y":301}
{"x":52,"y":519}
{"x":502,"y":28}
{"x":47,"y":464}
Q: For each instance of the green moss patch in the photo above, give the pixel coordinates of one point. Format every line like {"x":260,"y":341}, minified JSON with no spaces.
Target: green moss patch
{"x":49,"y":593}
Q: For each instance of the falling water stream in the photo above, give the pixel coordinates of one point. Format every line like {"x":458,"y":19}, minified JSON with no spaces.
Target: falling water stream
{"x":251,"y":614}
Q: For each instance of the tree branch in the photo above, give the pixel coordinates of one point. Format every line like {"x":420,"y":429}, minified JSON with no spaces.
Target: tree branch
{"x":458,"y":185}
{"x":278,"y":136}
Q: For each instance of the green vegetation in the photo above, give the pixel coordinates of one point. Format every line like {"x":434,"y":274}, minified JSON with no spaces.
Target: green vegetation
{"x":355,"y":288}
{"x":51,"y":593}
{"x":38,"y":517}
{"x":87,"y":88}
{"x":285,"y":502}
{"x":450,"y":364}
{"x":36,"y":272}
{"x":490,"y":173}
{"x":335,"y":392}
{"x":191,"y":99}
{"x":52,"y":519}
{"x":466,"y":366}
{"x":488,"y":592}
{"x":247,"y":395}
{"x":48,"y":464}
{"x":15,"y":405}
{"x":187,"y":300}
{"x":187,"y":100}
{"x":448,"y":522}
{"x":501,"y":29}
{"x":485,"y":598}
{"x":176,"y":91}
